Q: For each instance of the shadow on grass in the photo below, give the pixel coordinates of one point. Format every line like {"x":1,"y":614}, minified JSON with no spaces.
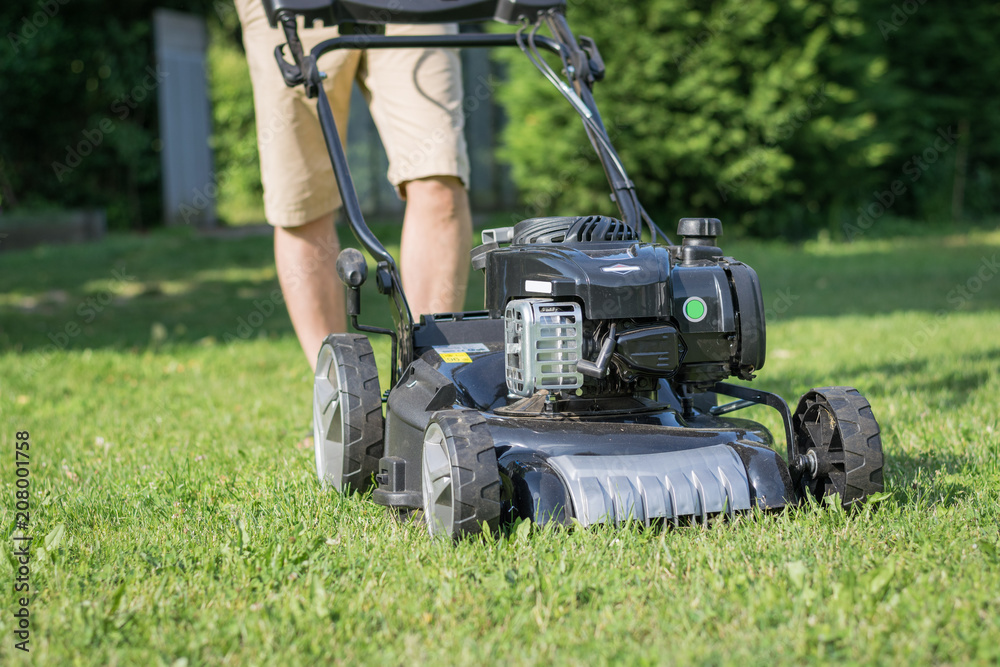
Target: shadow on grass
{"x":929,"y":478}
{"x":951,"y":389}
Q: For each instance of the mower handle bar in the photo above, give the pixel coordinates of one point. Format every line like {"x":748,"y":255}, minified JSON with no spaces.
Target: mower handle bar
{"x":306,"y":71}
{"x":345,"y":185}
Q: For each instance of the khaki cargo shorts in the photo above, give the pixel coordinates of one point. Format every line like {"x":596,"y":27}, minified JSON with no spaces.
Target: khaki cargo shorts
{"x":415,"y":98}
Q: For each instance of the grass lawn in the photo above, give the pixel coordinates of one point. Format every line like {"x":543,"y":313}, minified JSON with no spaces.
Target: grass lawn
{"x":177,"y":519}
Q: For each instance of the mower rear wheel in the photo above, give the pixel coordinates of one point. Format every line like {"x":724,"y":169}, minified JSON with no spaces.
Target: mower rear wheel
{"x":838,"y":445}
{"x":347,"y":413}
{"x":459,"y":475}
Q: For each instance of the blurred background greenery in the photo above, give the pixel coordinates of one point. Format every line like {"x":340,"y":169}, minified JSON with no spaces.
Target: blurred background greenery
{"x":778,"y":117}
{"x":788,"y":117}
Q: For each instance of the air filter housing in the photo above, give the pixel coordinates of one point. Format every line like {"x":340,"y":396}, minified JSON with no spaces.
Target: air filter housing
{"x":543,"y":341}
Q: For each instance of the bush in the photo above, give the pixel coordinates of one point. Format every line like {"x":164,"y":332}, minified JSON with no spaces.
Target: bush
{"x":777,"y":117}
{"x":78,"y":118}
{"x":234,"y":140}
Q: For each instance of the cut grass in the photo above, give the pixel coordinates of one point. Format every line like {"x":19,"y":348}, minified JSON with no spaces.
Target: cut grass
{"x":184,"y":520}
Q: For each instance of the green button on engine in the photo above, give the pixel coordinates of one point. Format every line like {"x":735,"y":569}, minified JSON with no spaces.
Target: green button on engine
{"x":695,"y":309}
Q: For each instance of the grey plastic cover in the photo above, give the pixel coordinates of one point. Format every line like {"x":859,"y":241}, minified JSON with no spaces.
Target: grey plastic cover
{"x":668,"y":485}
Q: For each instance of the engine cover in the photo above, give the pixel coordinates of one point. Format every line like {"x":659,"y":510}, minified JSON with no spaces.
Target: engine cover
{"x":611,"y":280}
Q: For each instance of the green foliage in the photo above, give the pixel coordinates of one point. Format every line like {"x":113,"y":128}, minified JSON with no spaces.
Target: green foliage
{"x":78,"y":117}
{"x":778,"y":117}
{"x":943,"y":73}
{"x":234,"y":140}
{"x":177,"y":518}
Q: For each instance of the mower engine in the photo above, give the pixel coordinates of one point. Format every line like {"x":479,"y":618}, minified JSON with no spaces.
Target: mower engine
{"x":589,"y":309}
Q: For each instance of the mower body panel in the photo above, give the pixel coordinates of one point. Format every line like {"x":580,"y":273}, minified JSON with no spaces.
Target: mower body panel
{"x":641,"y":465}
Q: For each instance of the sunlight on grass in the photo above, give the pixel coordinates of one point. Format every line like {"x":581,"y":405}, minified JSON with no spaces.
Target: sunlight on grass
{"x":261,"y":274}
{"x":980,"y":239}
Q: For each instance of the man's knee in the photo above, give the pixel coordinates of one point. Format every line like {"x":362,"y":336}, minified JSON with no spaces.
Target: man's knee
{"x":433,"y":186}
{"x":317,"y":228}
{"x":449,"y":182}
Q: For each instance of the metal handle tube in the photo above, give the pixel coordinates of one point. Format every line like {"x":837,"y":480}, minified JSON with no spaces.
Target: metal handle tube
{"x":345,"y":185}
{"x":461,"y":40}
{"x":352,"y":209}
{"x":624,"y":189}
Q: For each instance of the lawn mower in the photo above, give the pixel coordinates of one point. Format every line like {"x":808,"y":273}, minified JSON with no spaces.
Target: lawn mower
{"x":586,"y":391}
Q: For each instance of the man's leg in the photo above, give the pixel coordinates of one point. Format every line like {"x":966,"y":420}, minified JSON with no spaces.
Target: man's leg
{"x":437,"y":235}
{"x":415,"y":97}
{"x":297,"y":176}
{"x":305,"y":258}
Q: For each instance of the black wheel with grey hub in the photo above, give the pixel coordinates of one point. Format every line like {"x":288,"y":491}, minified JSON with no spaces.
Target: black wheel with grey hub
{"x":347,"y":413}
{"x":838,"y":445}
{"x":459,"y":475}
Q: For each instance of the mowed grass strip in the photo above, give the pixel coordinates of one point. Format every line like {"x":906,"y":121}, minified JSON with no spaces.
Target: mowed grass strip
{"x":177,"y":518}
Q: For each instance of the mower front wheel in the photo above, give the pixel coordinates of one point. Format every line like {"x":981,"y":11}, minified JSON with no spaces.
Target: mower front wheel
{"x":838,"y":445}
{"x":459,"y":475}
{"x":347,"y":413}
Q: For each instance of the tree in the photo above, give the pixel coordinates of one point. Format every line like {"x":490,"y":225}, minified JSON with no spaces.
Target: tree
{"x":937,"y":110}
{"x":78,"y":121}
{"x":780,"y":117}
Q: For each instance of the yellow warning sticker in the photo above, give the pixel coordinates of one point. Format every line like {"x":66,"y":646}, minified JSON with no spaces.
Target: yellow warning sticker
{"x":455,"y":357}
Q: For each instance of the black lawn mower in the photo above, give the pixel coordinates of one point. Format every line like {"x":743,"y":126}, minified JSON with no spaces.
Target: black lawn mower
{"x":587,"y":389}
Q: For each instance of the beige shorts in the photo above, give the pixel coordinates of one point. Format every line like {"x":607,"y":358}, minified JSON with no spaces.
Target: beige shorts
{"x":415,"y":98}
